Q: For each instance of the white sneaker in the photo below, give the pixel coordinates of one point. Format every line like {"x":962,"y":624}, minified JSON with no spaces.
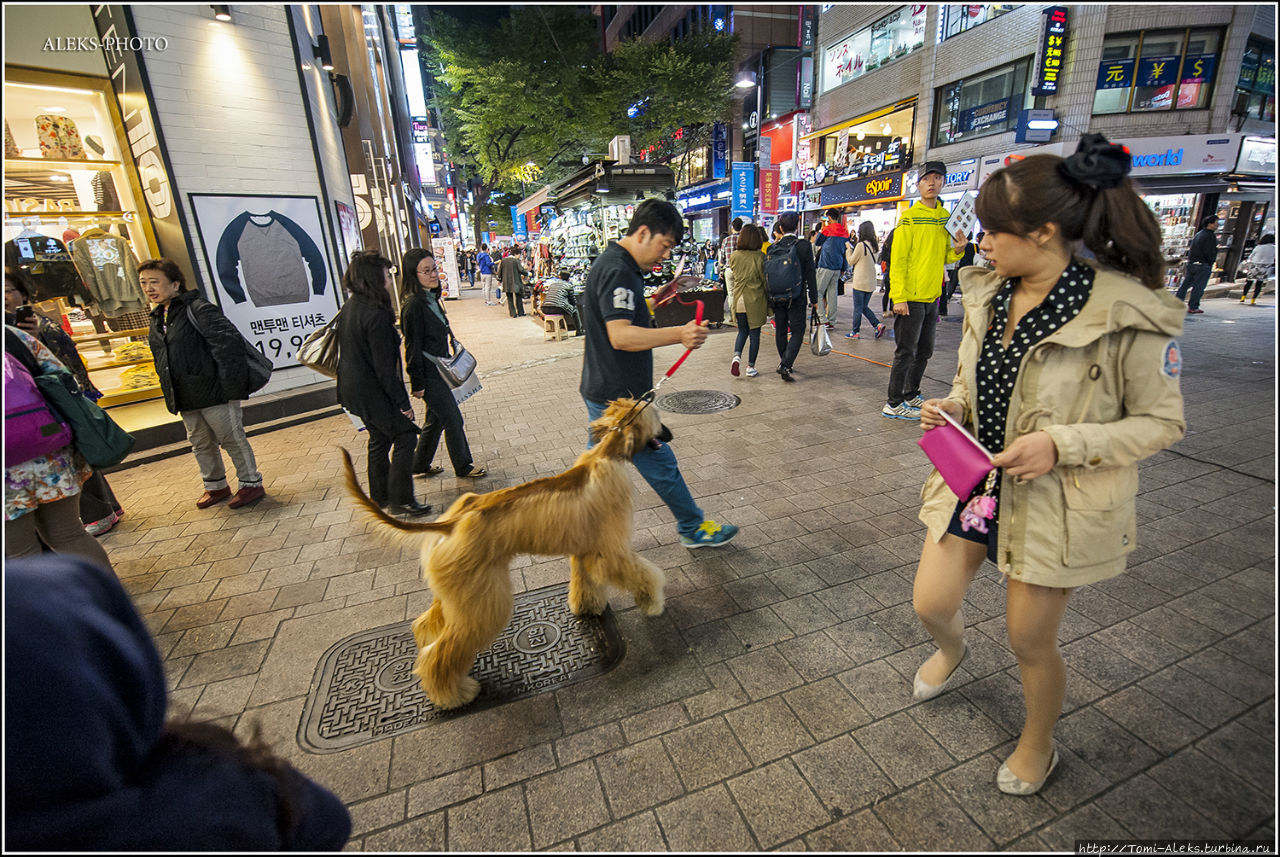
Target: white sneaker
{"x":902,"y":411}
{"x":733,"y":367}
{"x":915,"y":402}
{"x":751,"y":372}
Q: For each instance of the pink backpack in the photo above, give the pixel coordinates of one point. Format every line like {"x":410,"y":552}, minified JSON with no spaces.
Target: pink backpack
{"x":30,"y":427}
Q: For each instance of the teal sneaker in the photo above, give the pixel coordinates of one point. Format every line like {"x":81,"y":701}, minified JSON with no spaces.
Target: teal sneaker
{"x":710,"y":535}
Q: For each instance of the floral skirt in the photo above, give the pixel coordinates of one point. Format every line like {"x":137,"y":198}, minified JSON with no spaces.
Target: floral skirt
{"x":43,"y":480}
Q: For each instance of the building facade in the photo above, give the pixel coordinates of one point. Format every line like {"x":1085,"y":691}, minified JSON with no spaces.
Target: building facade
{"x":220,"y":137}
{"x":899,"y":85}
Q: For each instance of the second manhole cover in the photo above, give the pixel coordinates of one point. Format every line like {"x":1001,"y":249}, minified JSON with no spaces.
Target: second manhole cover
{"x":698,"y":401}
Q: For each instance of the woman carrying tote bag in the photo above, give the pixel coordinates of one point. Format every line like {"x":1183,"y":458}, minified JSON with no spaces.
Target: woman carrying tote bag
{"x":426,"y":331}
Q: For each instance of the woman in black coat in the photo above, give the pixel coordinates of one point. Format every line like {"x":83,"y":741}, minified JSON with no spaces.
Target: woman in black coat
{"x":426,"y":329}
{"x":204,"y":376}
{"x":371,"y":385}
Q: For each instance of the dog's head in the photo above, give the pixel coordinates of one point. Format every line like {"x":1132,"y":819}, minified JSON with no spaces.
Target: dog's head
{"x":627,"y":426}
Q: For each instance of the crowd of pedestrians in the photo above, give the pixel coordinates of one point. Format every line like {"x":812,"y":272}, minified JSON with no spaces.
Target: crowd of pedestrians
{"x":1056,"y":514}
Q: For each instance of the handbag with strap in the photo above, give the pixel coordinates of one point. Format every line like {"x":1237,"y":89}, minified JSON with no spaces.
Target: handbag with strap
{"x":319,"y":351}
{"x":93,"y":432}
{"x":819,"y":339}
{"x":455,"y":369}
{"x":260,"y":365}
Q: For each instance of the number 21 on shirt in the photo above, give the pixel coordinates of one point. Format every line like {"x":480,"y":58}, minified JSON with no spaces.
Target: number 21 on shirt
{"x":624,"y":299}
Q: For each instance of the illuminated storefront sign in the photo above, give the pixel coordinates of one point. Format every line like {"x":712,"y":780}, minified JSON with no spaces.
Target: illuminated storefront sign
{"x":1053,"y":48}
{"x":886,"y":186}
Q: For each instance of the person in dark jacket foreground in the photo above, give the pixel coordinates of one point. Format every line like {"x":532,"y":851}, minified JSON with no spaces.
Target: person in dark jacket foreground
{"x":91,"y":764}
{"x":371,"y":382}
{"x":426,"y":331}
{"x":204,"y":378}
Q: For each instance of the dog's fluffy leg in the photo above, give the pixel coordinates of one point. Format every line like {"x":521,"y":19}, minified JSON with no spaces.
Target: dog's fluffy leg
{"x":633,"y":573}
{"x":427,"y":627}
{"x":585,"y":595}
{"x":442,"y":668}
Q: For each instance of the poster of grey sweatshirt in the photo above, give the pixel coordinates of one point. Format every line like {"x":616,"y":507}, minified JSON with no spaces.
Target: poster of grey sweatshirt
{"x":270,"y":267}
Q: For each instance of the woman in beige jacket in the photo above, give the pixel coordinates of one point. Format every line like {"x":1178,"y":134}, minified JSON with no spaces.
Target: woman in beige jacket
{"x":1069,"y":374}
{"x":861,"y":257}
{"x":746,"y":296}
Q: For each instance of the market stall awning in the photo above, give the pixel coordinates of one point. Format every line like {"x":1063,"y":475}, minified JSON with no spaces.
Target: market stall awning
{"x":535,"y":200}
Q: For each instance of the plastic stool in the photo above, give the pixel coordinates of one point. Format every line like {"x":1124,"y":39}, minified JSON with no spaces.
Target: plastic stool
{"x":554,"y":327}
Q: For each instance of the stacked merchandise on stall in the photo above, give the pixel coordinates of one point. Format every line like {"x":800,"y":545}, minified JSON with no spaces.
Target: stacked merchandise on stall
{"x":73,"y":223}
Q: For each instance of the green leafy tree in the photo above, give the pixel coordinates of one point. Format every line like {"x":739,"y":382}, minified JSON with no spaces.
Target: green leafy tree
{"x":518,"y":92}
{"x":685,"y":86}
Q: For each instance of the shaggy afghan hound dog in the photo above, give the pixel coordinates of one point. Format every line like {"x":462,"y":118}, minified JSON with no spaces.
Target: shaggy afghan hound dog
{"x":584,"y":512}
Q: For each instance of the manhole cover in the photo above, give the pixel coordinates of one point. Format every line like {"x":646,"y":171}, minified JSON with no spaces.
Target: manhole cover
{"x":365,"y":689}
{"x":698,"y":401}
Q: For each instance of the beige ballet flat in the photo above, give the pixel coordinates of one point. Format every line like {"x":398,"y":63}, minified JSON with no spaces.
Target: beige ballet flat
{"x":921,"y":691}
{"x":1008,"y":783}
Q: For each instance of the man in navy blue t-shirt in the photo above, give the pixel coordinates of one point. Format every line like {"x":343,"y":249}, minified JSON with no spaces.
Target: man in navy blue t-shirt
{"x":618,"y":353}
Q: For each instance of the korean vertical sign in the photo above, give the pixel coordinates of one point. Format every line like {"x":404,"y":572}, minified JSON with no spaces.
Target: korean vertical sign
{"x":1053,"y":51}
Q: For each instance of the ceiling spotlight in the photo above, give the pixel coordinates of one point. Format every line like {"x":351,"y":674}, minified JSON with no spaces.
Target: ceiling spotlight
{"x":322,"y":54}
{"x":862,"y":135}
{"x":746,"y":80}
{"x":887,"y":129}
{"x":222,"y":13}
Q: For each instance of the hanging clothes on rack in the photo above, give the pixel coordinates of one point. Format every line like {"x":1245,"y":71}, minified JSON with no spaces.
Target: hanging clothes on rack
{"x":49,"y":264}
{"x":109,"y":270}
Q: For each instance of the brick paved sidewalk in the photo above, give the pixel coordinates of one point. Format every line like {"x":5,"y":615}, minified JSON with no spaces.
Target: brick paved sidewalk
{"x":770,"y":706}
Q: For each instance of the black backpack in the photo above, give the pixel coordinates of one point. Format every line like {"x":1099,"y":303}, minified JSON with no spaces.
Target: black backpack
{"x":782,"y":276}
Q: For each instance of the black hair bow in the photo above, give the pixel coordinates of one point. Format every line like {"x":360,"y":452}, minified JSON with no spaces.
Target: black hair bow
{"x":1097,"y":163}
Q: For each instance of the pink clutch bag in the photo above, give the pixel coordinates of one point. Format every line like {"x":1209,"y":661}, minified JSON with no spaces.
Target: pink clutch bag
{"x":959,"y":457}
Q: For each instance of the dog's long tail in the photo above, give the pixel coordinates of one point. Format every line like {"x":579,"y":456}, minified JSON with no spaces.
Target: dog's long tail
{"x":374,"y":512}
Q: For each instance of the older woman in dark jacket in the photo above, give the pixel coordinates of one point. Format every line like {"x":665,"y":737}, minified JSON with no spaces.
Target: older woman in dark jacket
{"x":426,"y":331}
{"x":204,"y":375}
{"x":371,"y":382}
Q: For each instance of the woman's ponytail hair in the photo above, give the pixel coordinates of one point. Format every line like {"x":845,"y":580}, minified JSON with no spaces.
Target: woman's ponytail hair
{"x":1089,"y":197}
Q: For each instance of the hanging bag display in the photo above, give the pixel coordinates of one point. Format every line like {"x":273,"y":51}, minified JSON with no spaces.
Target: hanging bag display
{"x":455,"y":369}
{"x":819,"y":339}
{"x":319,"y":351}
{"x":260,"y":365}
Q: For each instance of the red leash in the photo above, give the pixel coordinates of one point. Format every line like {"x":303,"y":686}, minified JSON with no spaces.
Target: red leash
{"x":674,"y":366}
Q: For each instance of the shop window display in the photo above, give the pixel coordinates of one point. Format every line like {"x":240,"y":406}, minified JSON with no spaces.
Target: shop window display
{"x":1257,"y":80}
{"x":1157,"y":70}
{"x":954,"y":19}
{"x":892,"y":37}
{"x":986,"y":104}
{"x":1175,"y":213}
{"x":874,"y":146}
{"x":72,"y":223}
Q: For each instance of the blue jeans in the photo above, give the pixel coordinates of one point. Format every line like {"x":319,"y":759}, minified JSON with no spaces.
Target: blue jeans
{"x":746,"y":331}
{"x":1196,"y":278}
{"x":661,"y":470}
{"x":861,"y":307}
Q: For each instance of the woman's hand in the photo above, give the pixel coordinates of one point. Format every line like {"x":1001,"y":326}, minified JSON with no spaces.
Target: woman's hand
{"x":408,"y":413}
{"x":1029,"y":456}
{"x":418,"y":394}
{"x":930,"y":416}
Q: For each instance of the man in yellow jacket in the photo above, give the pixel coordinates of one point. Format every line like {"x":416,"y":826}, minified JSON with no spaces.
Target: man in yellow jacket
{"x":921,"y":249}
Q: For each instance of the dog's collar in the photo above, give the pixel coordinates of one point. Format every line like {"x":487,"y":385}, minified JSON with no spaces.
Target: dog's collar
{"x":629,"y":417}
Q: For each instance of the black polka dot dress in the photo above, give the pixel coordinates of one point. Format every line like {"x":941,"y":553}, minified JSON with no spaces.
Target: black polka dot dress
{"x":997,"y":370}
